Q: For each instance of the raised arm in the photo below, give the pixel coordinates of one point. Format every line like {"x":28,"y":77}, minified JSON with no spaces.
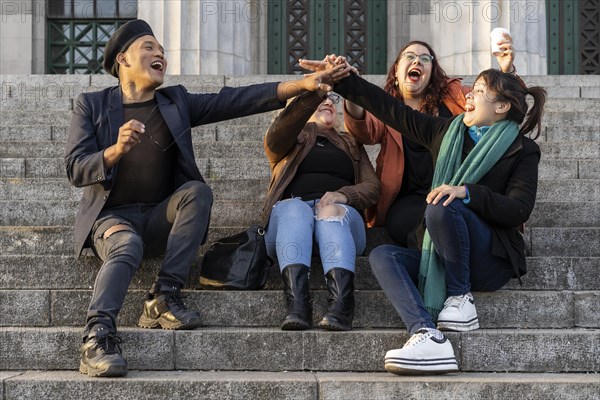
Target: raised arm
{"x":422,"y":128}
{"x":283,"y":133}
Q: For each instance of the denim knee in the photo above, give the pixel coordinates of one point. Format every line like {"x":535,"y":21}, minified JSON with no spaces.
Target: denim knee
{"x":124,"y":246}
{"x":197,"y":191}
{"x":435,"y":215}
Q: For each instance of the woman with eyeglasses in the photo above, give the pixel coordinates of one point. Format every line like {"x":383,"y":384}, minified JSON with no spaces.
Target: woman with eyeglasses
{"x":321,"y":181}
{"x":404,"y":167}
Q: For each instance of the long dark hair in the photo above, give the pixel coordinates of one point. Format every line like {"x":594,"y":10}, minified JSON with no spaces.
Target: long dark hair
{"x":510,"y":88}
{"x":436,"y":89}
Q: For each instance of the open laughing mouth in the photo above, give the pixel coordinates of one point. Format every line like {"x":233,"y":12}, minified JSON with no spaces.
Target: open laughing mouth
{"x":158,"y":65}
{"x":414,"y":75}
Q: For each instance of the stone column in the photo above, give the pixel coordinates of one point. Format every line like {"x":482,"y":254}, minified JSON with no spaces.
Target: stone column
{"x":16,"y":36}
{"x":209,"y":37}
{"x":458,"y":31}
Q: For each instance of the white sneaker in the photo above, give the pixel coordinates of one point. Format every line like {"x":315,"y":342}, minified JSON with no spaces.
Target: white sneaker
{"x":426,"y":352}
{"x":459,"y":314}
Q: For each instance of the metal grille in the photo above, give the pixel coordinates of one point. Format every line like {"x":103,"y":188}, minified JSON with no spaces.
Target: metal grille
{"x":297,"y":34}
{"x":77,"y":47}
{"x":78,"y":30}
{"x":589,"y":37}
{"x":356,"y":34}
{"x":314,"y":28}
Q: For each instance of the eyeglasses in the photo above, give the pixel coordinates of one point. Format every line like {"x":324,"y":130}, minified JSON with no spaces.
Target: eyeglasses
{"x":424,"y":58}
{"x":153,"y":140}
{"x":333,"y":97}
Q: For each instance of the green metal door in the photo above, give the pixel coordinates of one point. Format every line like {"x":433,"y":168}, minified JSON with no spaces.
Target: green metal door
{"x":314,"y":28}
{"x":77,"y":32}
{"x":573,"y":36}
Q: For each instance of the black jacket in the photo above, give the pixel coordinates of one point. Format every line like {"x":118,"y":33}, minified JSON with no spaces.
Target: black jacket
{"x":504,"y":197}
{"x":98,"y":116}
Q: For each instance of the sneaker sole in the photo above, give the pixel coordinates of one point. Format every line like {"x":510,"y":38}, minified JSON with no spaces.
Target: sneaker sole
{"x":333,"y":326}
{"x":295,"y":325}
{"x":112,"y":371}
{"x":421,"y":367}
{"x":148,"y":323}
{"x":458,"y":326}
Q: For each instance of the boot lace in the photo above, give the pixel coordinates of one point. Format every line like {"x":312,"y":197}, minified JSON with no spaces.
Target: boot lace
{"x":110,"y":343}
{"x":176,"y":299}
{"x":415,"y":339}
{"x":455,"y":301}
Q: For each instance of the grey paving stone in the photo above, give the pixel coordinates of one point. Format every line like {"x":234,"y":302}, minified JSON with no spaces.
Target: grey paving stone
{"x":587,"y":309}
{"x":530,"y":386}
{"x":570,"y":150}
{"x":572,"y":134}
{"x":574,"y":242}
{"x":530,"y":350}
{"x":589,"y":169}
{"x":24,"y":307}
{"x":501,"y":309}
{"x":564,"y":214}
{"x":58,"y":348}
{"x":165,"y":384}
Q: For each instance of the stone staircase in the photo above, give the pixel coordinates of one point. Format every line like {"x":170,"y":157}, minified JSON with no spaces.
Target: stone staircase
{"x":538,"y":341}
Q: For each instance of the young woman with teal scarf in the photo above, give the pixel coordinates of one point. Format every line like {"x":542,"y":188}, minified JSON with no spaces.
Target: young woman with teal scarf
{"x":484,"y":188}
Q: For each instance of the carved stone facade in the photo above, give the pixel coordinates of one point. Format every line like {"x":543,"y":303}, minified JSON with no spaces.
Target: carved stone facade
{"x":230,"y":37}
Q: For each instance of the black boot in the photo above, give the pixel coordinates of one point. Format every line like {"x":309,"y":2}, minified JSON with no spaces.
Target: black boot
{"x":164,"y":308}
{"x":297,"y":297}
{"x":340,"y":314}
{"x":101,"y":354}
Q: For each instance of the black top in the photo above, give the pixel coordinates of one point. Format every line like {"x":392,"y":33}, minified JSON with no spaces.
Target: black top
{"x":145,"y":173}
{"x":418,"y":164}
{"x":325,"y":168}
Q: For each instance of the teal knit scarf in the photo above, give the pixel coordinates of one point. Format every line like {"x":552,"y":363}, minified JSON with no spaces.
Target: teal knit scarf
{"x":449,"y":170}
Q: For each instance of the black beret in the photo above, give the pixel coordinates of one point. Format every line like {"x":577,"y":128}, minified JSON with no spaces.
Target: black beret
{"x":121,"y":40}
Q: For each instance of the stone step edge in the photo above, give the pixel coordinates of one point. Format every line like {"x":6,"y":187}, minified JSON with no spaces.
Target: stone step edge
{"x":315,"y":385}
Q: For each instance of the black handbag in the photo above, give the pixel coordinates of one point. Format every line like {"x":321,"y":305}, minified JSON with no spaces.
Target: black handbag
{"x":237,"y":262}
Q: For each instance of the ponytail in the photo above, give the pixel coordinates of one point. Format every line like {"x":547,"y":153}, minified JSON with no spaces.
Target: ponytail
{"x":512,"y":89}
{"x":534,"y":116}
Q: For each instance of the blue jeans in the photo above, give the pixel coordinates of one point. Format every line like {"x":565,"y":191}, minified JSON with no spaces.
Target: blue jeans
{"x":175,"y":227}
{"x":293,"y":226}
{"x":463,"y":241}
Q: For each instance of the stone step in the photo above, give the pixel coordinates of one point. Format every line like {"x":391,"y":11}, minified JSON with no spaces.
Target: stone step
{"x":539,"y":242}
{"x":243,"y":168}
{"x":20,"y":83}
{"x":559,"y":99}
{"x":550,"y":189}
{"x":484,"y":350}
{"x":69,"y":385}
{"x":54,"y":269}
{"x":240,"y":212}
{"x":46,"y":116}
{"x":266,"y":308}
{"x":254,"y":150}
{"x":223,"y":132}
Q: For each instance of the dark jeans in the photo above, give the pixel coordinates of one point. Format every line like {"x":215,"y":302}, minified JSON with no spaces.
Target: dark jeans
{"x":404,"y":217}
{"x":175,"y":227}
{"x":463,"y":241}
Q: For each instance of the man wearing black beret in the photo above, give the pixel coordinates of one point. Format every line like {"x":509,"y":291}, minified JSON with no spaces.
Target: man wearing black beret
{"x":130,"y":147}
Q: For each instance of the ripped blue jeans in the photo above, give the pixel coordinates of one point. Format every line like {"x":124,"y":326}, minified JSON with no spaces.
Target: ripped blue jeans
{"x":294,"y":226}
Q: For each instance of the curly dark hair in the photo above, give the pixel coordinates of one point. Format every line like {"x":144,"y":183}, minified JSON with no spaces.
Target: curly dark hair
{"x":434,"y":92}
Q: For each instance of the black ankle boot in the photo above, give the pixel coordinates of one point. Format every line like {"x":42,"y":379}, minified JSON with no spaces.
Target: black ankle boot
{"x":339,"y":316}
{"x":101,"y":354}
{"x":297,"y":297}
{"x":164,"y":308}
